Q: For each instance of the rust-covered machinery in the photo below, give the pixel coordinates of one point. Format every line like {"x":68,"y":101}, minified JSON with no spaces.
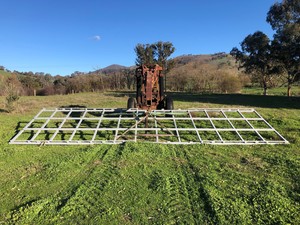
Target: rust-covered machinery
{"x":150,"y":89}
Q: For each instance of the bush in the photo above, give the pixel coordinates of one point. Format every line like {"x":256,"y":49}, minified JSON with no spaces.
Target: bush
{"x":12,"y":89}
{"x":49,"y":90}
{"x":11,"y":98}
{"x":230,"y":84}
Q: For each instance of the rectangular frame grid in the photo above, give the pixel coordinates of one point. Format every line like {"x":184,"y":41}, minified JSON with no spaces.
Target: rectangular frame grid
{"x":115,"y":126}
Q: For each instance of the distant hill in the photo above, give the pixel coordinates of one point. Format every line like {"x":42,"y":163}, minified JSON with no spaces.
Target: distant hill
{"x":179,"y":61}
{"x":217,"y":61}
{"x":112,"y":68}
{"x":185,"y":59}
{"x":214,"y":59}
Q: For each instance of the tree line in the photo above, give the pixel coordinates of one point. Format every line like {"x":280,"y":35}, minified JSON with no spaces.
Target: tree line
{"x":28,"y":83}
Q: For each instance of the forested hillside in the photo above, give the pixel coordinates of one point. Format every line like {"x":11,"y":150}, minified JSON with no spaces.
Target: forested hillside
{"x":215,"y":73}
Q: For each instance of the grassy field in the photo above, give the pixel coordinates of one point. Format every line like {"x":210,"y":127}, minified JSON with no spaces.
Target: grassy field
{"x":4,"y":73}
{"x":138,"y":183}
{"x":272,"y":91}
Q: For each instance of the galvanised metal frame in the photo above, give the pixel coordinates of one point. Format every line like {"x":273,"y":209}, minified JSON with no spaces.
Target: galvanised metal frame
{"x":72,"y":126}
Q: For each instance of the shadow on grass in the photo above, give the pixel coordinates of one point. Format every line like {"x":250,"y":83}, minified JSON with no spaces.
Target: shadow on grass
{"x":229,"y":99}
{"x":74,"y":114}
{"x":121,"y":94}
{"x":73,"y":106}
{"x":3,"y":111}
{"x":19,"y":127}
{"x":240,"y":100}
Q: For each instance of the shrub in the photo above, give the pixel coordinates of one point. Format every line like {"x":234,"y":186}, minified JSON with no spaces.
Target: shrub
{"x":11,"y":98}
{"x":12,"y":90}
{"x":48,"y":90}
{"x":230,"y":84}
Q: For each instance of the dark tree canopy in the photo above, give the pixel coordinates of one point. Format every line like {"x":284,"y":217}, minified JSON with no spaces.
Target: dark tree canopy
{"x":284,"y":18}
{"x":257,"y":44}
{"x":163,"y":51}
{"x":282,"y":54}
{"x":281,"y":14}
{"x":150,"y":54}
{"x":255,"y":57}
{"x":255,"y":51}
{"x":145,"y":54}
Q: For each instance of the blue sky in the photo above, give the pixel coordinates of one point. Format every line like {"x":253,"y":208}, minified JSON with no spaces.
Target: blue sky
{"x":63,"y":36}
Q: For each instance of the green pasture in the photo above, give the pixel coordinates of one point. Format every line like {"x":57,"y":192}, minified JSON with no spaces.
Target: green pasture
{"x":4,"y":73}
{"x":273,"y":91}
{"x":138,"y":183}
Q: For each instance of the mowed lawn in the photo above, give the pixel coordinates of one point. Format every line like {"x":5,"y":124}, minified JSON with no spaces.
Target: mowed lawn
{"x":139,"y":183}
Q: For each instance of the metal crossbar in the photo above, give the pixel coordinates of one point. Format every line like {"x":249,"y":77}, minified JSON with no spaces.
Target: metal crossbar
{"x":70,"y":126}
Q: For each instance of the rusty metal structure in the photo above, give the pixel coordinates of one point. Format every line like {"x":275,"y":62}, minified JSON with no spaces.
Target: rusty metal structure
{"x":150,"y":89}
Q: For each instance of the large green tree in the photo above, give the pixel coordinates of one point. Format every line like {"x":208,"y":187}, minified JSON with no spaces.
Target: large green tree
{"x":150,"y":54}
{"x":254,"y":58}
{"x":282,"y":55}
{"x":284,"y":18}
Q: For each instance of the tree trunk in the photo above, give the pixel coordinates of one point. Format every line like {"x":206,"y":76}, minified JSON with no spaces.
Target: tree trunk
{"x":265,"y":92}
{"x":265,"y":89}
{"x":289,"y":91}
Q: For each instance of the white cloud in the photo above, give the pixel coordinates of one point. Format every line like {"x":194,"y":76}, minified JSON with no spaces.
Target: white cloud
{"x":96,"y":38}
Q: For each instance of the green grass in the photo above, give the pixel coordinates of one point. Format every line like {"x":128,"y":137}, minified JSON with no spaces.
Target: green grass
{"x":4,"y":73}
{"x":138,"y":183}
{"x":273,"y":91}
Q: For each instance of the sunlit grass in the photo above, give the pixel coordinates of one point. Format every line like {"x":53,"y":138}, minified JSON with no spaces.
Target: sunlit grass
{"x":281,"y":91}
{"x":139,"y":183}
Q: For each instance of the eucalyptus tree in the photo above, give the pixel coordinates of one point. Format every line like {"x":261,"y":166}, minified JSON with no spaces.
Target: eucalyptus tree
{"x":284,"y":18}
{"x":255,"y":58}
{"x":150,"y":54}
{"x":145,"y":54}
{"x":163,"y":50}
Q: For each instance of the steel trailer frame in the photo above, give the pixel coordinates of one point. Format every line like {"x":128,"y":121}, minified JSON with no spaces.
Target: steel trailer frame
{"x":83,"y":126}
